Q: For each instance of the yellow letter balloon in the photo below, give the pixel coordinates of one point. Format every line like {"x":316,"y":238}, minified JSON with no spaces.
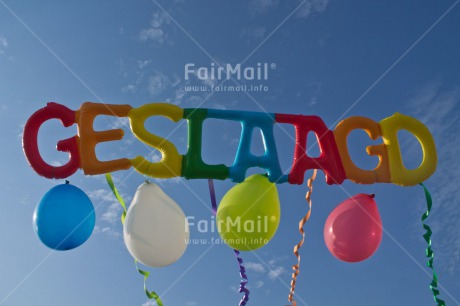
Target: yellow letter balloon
{"x":156,"y":230}
{"x":249,"y":214}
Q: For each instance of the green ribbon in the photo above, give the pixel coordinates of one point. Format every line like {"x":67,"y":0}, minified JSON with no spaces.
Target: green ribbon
{"x":150,"y":294}
{"x":108,"y":177}
{"x":429,"y":251}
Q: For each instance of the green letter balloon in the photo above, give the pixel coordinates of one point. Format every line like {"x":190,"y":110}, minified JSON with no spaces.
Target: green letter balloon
{"x":249,"y":214}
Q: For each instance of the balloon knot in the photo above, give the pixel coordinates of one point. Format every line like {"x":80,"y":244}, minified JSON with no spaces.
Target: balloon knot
{"x":372,"y":195}
{"x":67,"y":182}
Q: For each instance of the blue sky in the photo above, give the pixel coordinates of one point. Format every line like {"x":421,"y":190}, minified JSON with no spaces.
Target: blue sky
{"x":334,"y":59}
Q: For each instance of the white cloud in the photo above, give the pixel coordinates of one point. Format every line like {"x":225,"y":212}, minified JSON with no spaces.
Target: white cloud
{"x":272,"y":262}
{"x":119,"y":122}
{"x":313,"y":101}
{"x":165,"y":182}
{"x":276,"y":272}
{"x":101,"y":195}
{"x":439,"y":110}
{"x":157,"y":83}
{"x":262,"y":6}
{"x":255,"y":33}
{"x":111,"y":233}
{"x":110,"y":219}
{"x":206,"y":77}
{"x":219,"y":106}
{"x":128,"y":88}
{"x":3,"y":44}
{"x":154,"y":34}
{"x":254,"y":266}
{"x":154,"y":156}
{"x":259,"y":284}
{"x":320,"y":5}
{"x":134,"y":85}
{"x":143,"y":64}
{"x":179,"y":95}
{"x":25,"y":198}
{"x":175,"y":80}
{"x":113,"y":213}
{"x":150,"y":303}
{"x":210,"y":82}
{"x":56,"y":163}
{"x":195,"y":101}
{"x":304,"y":11}
{"x":156,"y":30}
{"x":311,"y":6}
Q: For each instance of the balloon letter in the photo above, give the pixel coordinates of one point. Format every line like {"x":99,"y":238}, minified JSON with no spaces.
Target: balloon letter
{"x":171,"y":162}
{"x":329,"y":160}
{"x":89,"y":138}
{"x":381,"y":173}
{"x":244,"y":159}
{"x":192,"y":164}
{"x":399,"y":174}
{"x":29,"y":141}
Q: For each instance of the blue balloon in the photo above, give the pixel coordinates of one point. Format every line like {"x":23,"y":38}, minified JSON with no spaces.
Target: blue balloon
{"x":64,"y":219}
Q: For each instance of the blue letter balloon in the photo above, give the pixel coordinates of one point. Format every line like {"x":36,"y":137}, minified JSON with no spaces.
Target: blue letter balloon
{"x":64,"y":219}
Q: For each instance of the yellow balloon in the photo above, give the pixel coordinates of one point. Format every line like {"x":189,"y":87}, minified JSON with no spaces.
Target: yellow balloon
{"x":399,"y":174}
{"x":249,"y":214}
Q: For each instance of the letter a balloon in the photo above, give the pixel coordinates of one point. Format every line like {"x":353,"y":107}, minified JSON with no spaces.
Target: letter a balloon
{"x":353,"y":230}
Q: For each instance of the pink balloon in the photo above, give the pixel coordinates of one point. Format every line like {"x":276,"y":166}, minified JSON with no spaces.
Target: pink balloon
{"x":353,"y":230}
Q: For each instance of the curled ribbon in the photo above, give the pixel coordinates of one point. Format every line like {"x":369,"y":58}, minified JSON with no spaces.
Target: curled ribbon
{"x":429,"y":251}
{"x":302,"y":222}
{"x":244,"y":277}
{"x":150,"y":294}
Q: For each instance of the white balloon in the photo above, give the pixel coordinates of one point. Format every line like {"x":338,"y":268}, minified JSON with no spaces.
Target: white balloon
{"x":156,"y":230}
